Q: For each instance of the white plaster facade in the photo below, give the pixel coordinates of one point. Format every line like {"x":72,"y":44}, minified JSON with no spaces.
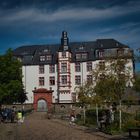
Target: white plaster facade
{"x":63,"y":92}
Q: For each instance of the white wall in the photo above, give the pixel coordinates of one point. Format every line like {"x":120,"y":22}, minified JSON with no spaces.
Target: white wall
{"x":31,"y":80}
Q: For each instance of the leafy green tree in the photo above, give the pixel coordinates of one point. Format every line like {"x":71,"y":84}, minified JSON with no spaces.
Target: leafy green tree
{"x":117,"y":75}
{"x":111,"y":77}
{"x":11,"y":87}
{"x":137,"y":83}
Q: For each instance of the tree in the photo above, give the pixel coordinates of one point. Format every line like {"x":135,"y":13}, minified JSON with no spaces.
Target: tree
{"x":86,"y":95}
{"x":137,"y":83}
{"x":111,"y":77}
{"x":116,"y":77}
{"x":11,"y":87}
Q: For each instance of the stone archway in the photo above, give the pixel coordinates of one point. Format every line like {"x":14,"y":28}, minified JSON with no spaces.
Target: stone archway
{"x":42,"y":99}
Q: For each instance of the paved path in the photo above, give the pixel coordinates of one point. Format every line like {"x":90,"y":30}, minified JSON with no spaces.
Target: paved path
{"x":37,"y":127}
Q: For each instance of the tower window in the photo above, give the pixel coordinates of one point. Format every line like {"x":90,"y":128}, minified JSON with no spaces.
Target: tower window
{"x":63,"y":67}
{"x":64,"y":79}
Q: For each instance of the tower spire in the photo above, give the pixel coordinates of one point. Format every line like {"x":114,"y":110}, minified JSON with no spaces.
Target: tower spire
{"x":64,"y":41}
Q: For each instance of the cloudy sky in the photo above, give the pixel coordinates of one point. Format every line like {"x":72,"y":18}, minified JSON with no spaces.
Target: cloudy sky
{"x":28,"y":22}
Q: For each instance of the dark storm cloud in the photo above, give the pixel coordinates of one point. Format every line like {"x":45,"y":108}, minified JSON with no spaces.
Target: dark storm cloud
{"x":42,"y":21}
{"x":33,"y":14}
{"x":56,"y":4}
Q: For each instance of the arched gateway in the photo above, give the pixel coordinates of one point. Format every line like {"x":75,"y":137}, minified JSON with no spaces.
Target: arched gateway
{"x":42,"y":99}
{"x":42,"y":105}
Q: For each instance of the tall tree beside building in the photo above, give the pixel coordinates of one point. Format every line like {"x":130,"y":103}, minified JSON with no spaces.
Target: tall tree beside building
{"x":11,"y":87}
{"x":111,"y":77}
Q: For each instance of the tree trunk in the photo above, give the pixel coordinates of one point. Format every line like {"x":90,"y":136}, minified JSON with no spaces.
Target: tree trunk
{"x":84,"y":111}
{"x":120,"y":115}
{"x":97,"y":116}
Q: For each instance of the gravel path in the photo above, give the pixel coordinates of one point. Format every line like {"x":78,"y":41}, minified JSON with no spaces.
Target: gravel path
{"x":37,"y":127}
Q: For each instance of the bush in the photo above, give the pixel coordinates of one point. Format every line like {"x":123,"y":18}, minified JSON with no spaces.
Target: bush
{"x":112,"y":128}
{"x":90,"y":117}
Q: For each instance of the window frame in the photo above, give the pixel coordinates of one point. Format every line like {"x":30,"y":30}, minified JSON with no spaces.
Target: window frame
{"x":41,"y":81}
{"x":51,"y":68}
{"x":89,"y":66}
{"x":52,"y":80}
{"x":77,"y":79}
{"x":77,"y":67}
{"x":64,"y":67}
{"x":41,"y":69}
{"x":42,"y":58}
{"x":64,"y":79}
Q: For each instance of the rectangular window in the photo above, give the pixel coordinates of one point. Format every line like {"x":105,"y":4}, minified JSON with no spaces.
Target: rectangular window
{"x":63,"y":67}
{"x":41,"y":81}
{"x":77,"y":67}
{"x":64,"y":79}
{"x":42,"y":58}
{"x":48,"y":57}
{"x":101,"y":65}
{"x":52,"y":80}
{"x":77,"y":80}
{"x":89,"y":66}
{"x":41,"y":69}
{"x":89,"y":79}
{"x":52,"y":68}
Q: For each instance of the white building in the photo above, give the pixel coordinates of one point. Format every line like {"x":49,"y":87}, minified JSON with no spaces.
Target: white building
{"x":65,"y":66}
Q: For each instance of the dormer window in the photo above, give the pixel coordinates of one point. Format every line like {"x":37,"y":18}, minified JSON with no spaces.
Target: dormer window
{"x":78,"y":56}
{"x":42,"y":58}
{"x":81,"y":56}
{"x":84,"y":56}
{"x":48,"y":57}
